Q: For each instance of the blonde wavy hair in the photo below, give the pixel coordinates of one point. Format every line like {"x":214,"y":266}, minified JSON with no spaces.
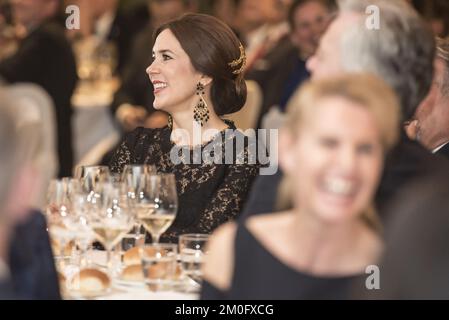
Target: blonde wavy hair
{"x":368,"y":91}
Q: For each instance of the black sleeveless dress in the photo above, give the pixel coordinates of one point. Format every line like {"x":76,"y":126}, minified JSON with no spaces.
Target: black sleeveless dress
{"x":259,"y":275}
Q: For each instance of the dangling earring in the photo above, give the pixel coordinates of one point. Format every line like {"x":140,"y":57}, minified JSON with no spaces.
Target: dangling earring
{"x":170,"y":122}
{"x":200,"y":112}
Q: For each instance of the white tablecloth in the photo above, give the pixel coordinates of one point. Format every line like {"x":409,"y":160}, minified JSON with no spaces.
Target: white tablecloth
{"x":120,"y":291}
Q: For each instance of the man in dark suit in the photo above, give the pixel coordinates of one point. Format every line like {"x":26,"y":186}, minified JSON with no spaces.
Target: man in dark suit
{"x":401,"y":51}
{"x":432,"y":115}
{"x":416,"y":257}
{"x":33,"y":272}
{"x":44,"y":57}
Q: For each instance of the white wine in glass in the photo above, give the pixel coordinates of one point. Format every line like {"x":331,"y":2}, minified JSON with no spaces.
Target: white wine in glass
{"x":112,"y":219}
{"x":157,"y":204}
{"x":132,"y":176}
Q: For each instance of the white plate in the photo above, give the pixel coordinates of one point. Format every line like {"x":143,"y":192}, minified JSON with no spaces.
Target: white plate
{"x":76,"y":294}
{"x":129,"y":283}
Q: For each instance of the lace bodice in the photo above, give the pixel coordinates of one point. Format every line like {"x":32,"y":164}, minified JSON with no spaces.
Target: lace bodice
{"x":209,"y":194}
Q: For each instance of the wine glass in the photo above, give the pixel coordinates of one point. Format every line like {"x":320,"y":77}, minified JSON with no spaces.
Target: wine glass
{"x":157,"y":203}
{"x":159,"y":265}
{"x":132,"y":176}
{"x":111,"y":219}
{"x":91,"y":176}
{"x":192,"y":253}
{"x":58,"y":213}
{"x":82,"y":208}
{"x":133,"y":172}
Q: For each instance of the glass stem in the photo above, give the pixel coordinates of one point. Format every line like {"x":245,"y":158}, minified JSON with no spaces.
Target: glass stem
{"x":108,"y":260}
{"x":156,"y":238}
{"x":62,"y":256}
{"x":137,"y":235}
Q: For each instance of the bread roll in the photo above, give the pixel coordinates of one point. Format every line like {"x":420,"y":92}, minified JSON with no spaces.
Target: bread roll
{"x":133,"y":255}
{"x":133,"y":273}
{"x":90,"y":281}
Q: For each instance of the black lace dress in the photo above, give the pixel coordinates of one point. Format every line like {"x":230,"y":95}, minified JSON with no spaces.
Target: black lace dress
{"x":209,"y":194}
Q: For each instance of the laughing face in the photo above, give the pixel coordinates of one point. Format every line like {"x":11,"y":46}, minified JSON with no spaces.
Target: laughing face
{"x":172,"y":74}
{"x":335,"y":161}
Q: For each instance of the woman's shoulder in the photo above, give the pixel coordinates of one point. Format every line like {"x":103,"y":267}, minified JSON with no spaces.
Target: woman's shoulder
{"x":221,"y":256}
{"x":266,"y":224}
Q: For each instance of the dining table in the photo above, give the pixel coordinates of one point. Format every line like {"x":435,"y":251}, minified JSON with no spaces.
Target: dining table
{"x":119,"y":289}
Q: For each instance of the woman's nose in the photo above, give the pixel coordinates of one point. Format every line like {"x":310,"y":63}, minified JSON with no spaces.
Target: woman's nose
{"x":347,"y":159}
{"x":152,"y":68}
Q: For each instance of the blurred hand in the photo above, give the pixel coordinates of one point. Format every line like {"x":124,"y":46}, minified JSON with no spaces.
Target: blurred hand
{"x":131,"y":117}
{"x":157,"y":119}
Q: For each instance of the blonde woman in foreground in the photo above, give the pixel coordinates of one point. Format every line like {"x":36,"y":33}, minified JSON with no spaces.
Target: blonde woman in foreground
{"x":332,"y":151}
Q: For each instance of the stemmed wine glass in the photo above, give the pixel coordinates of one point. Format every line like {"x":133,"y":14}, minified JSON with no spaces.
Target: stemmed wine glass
{"x":132,"y":176}
{"x":92,"y":176}
{"x":58,"y":213}
{"x":157,"y":203}
{"x":80,"y":224}
{"x":111,"y":218}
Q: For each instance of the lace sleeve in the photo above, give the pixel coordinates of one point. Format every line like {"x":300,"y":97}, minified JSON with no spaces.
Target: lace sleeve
{"x":225,"y":204}
{"x":121,"y":157}
{"x":229,"y":199}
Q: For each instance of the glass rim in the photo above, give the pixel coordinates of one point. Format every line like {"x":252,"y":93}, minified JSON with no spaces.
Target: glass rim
{"x":135,"y":165}
{"x":92,"y":166}
{"x":194,"y":236}
{"x":167,"y":249}
{"x":163,"y":245}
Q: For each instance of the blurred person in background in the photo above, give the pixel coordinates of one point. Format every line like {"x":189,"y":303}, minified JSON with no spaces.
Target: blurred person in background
{"x":8,"y":35}
{"x":44,"y":57}
{"x":285,"y":66}
{"x":436,"y":14}
{"x":26,"y":262}
{"x":110,"y":22}
{"x":332,"y":149}
{"x":223,"y":10}
{"x":261,"y":25}
{"x":401,"y":52}
{"x":416,"y":259}
{"x":430,"y":125}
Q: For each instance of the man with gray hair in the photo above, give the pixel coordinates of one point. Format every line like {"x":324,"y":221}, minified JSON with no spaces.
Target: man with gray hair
{"x":400,"y":49}
{"x":432,"y":115}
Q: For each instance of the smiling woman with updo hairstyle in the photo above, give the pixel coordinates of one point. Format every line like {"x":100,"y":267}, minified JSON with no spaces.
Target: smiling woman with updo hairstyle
{"x":197,"y":77}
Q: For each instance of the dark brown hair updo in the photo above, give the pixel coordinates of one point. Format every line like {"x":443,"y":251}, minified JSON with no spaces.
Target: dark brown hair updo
{"x":211,"y":46}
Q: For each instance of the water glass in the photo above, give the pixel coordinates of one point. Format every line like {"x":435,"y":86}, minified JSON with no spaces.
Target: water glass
{"x":192,"y":251}
{"x":159,"y":265}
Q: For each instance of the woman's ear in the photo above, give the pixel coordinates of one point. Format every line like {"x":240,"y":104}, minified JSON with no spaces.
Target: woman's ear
{"x":206,"y":80}
{"x":286,"y":150}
